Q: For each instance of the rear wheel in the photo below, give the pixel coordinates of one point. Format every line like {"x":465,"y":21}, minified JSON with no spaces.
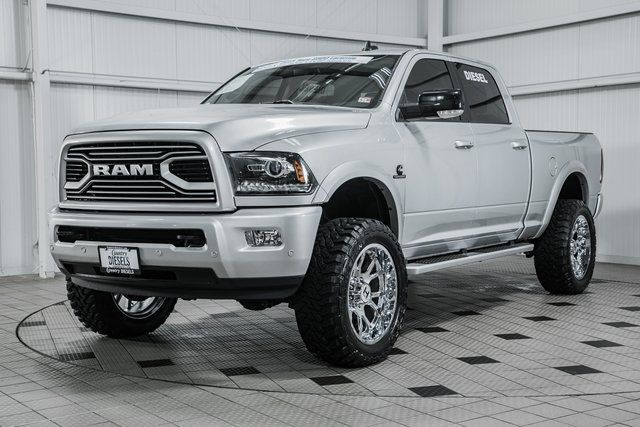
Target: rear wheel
{"x":565,"y":254}
{"x":351,"y":306}
{"x":117,"y":315}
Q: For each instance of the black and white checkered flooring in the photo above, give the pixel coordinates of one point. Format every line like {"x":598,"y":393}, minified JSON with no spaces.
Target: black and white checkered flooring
{"x":484,"y":331}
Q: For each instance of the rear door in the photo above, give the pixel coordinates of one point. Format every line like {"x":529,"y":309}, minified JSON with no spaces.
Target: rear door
{"x":504,"y":169}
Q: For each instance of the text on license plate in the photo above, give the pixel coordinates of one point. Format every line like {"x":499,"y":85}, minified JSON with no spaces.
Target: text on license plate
{"x":115,"y":260}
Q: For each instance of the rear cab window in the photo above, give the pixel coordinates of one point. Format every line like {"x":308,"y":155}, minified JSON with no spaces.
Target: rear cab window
{"x":483,"y":99}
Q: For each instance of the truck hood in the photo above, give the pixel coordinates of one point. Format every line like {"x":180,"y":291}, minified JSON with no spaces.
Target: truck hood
{"x":238,"y":127}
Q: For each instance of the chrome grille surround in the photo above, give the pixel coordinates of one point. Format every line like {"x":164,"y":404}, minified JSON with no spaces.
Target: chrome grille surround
{"x":161,"y":185}
{"x":153,"y":187}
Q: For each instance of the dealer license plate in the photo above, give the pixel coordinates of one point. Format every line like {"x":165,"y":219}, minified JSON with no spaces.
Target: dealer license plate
{"x":116,"y":260}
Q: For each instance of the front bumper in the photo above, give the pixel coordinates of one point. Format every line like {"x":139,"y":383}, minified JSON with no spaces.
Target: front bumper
{"x":225,"y":267}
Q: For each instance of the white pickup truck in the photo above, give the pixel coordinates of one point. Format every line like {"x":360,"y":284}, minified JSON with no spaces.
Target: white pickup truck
{"x":325,"y":182}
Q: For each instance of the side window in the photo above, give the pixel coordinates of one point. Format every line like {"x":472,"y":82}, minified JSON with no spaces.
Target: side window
{"x":482,"y":95}
{"x":427,"y":75}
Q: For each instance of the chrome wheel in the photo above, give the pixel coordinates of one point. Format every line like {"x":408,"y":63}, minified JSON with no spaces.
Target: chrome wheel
{"x":580,"y":247}
{"x":372,"y":294}
{"x":137,"y":307}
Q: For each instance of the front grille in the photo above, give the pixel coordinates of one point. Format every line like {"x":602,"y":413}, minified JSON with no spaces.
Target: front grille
{"x":196,"y":170}
{"x":143,"y":171}
{"x":76,"y":171}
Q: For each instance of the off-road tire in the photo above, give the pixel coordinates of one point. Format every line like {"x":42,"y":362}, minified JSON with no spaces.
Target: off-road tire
{"x":98,"y":312}
{"x":552,"y":257}
{"x":321,"y":302}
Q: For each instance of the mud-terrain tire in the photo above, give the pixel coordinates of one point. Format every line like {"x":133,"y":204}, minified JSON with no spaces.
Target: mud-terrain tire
{"x":564,"y":255}
{"x":99,"y":312}
{"x":329,"y":328}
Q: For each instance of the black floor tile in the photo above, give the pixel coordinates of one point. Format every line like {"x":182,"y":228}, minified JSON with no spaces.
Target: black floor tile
{"x":154,"y":363}
{"x":513,"y":337}
{"x":561,"y":304}
{"x":494,"y":299}
{"x":477,"y":360}
{"x":620,"y":324}
{"x":33,"y":323}
{"x":466,"y":313}
{"x":397,"y":351}
{"x":432,"y":391}
{"x":578,"y":370}
{"x":239,"y":370}
{"x":331,"y":380}
{"x":432,"y":329}
{"x":539,"y":318}
{"x":69,"y":357}
{"x":634,"y":308}
{"x":601,"y":343}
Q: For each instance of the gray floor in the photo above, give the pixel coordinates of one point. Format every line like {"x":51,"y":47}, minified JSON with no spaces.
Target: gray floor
{"x":483,"y":345}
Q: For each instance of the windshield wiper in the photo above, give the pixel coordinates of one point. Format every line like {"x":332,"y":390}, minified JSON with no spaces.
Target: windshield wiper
{"x":283,"y":101}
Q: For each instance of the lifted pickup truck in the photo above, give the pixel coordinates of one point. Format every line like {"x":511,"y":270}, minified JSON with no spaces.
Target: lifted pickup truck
{"x":325,"y":182}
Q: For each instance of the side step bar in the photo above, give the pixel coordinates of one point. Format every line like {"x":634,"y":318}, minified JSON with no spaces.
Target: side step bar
{"x":426,"y":265}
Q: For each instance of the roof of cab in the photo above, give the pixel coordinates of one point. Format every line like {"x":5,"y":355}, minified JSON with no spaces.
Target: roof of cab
{"x":444,"y":55}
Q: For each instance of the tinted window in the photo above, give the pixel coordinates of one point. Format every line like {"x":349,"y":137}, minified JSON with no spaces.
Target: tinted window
{"x":427,"y":75}
{"x":482,"y":96}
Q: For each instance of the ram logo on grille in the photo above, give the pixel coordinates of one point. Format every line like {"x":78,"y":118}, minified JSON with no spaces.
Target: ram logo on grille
{"x":118,"y":170}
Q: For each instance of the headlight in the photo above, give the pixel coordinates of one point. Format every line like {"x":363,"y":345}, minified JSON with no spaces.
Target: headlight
{"x":269,"y":173}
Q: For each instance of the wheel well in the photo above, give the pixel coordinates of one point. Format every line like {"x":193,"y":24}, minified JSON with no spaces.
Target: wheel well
{"x":362,"y":198}
{"x":574,"y":187}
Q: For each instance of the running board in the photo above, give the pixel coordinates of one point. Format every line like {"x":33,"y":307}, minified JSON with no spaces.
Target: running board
{"x":426,"y":265}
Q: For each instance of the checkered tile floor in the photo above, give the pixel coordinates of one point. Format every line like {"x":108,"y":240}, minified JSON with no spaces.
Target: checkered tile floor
{"x":483,"y":345}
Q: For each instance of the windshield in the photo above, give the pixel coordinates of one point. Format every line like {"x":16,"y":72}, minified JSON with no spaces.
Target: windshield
{"x":347,"y":81}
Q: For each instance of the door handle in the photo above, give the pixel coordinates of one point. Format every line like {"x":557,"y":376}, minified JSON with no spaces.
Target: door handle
{"x":463,"y":145}
{"x":519,"y":145}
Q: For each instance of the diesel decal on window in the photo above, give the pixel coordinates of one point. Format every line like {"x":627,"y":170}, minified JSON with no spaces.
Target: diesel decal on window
{"x":476,"y":77}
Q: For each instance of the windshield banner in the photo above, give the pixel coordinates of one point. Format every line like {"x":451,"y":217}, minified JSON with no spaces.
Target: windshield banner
{"x":346,"y":59}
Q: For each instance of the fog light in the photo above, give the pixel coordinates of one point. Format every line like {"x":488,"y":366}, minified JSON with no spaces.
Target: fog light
{"x":263,"y":238}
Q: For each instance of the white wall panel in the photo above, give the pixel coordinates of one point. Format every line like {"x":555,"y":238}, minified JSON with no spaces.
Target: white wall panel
{"x":17,"y":181}
{"x":211,"y":53}
{"x":13,"y":39}
{"x":70,"y":40}
{"x":610,"y":46}
{"x":468,"y":16}
{"x":130,"y":46}
{"x":519,"y":58}
{"x":298,"y":12}
{"x":238,"y":9}
{"x":267,"y":47}
{"x":348,"y":15}
{"x":398,"y":17}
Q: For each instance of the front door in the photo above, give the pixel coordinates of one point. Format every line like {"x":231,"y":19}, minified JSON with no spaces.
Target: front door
{"x":441,"y":170}
{"x":504,"y":168}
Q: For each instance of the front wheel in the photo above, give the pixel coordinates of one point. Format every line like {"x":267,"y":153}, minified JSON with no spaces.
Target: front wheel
{"x":351,"y":306}
{"x":565,"y":254}
{"x":117,"y":315}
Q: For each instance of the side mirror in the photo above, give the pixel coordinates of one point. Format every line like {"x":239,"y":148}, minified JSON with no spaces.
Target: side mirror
{"x":437,"y":104}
